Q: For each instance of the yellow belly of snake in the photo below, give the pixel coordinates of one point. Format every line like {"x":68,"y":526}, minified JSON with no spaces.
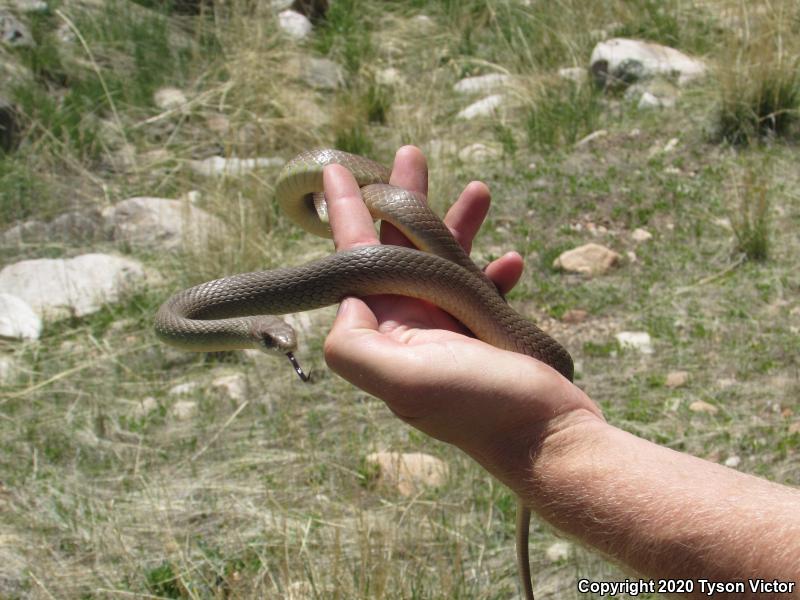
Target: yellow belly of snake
{"x":231,"y":313}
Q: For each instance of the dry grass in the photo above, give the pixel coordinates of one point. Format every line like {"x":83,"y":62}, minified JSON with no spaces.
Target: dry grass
{"x":268,"y":495}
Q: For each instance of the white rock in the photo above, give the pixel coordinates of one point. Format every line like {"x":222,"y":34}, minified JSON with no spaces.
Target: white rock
{"x":75,"y":286}
{"x":183,"y":410}
{"x":160,"y":222}
{"x":322,"y":73}
{"x":478,"y":152}
{"x":28,"y":6}
{"x":482,"y":108}
{"x":630,"y":60}
{"x":295,"y":25}
{"x":424,"y":22}
{"x":409,"y":472}
{"x":17,"y":319}
{"x":233,"y":387}
{"x":670,"y":145}
{"x":576,"y":74}
{"x":13,"y":32}
{"x":648,"y":100}
{"x":389,"y":77}
{"x":589,"y":259}
{"x":183,"y":389}
{"x":558,"y":551}
{"x":169,"y":98}
{"x":732,"y":461}
{"x":635,"y":340}
{"x":641,"y":235}
{"x":217,"y":165}
{"x":482,"y":83}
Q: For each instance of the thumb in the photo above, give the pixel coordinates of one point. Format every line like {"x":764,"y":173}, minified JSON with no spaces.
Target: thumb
{"x":355,"y":323}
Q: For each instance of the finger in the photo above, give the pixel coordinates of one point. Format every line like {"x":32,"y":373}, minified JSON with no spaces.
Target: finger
{"x":410,"y":171}
{"x":351,"y":222}
{"x":465,"y":217}
{"x":505,"y":271}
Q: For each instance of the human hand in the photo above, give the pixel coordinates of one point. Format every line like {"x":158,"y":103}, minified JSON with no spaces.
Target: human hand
{"x":494,"y":404}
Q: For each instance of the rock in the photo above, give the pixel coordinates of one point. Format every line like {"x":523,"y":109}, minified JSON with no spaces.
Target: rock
{"x":635,"y":340}
{"x":31,"y":231}
{"x":732,"y":461}
{"x":650,"y":100}
{"x":482,"y":83}
{"x":409,"y":472}
{"x":322,"y":73}
{"x":574,"y":315}
{"x":631,"y":256}
{"x":13,"y":32}
{"x":589,"y":259}
{"x":424,"y":22}
{"x":390,"y":77}
{"x":183,"y":389}
{"x":576,"y":74}
{"x":183,"y":410}
{"x":232,"y":387}
{"x":478,"y":152}
{"x":217,"y":165}
{"x":29,"y":6}
{"x":9,"y":126}
{"x":18,"y":321}
{"x":295,"y":25}
{"x":161,"y":223}
{"x":144,"y":407}
{"x":670,"y":145}
{"x":74,"y":286}
{"x":76,"y":226}
{"x":558,"y":551}
{"x":676,"y":379}
{"x":482,"y":108}
{"x":699,"y":406}
{"x":641,"y":235}
{"x":169,"y":98}
{"x":625,"y":61}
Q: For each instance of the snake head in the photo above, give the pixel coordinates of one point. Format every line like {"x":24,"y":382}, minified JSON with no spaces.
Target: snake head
{"x":273,"y":336}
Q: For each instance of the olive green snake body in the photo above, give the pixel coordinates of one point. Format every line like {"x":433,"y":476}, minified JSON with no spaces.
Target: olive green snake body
{"x":232,"y":312}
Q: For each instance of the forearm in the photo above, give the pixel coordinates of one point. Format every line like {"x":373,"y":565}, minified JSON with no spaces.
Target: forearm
{"x":663,"y":513}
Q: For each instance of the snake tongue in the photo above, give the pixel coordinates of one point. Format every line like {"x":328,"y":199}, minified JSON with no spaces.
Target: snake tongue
{"x":298,"y":369}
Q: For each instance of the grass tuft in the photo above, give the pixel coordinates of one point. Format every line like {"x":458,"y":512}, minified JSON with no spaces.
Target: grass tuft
{"x":751,"y":219}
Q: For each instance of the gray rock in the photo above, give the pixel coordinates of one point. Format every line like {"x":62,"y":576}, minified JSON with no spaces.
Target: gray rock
{"x":27,"y":232}
{"x":75,"y":286}
{"x":72,"y":226}
{"x":160,"y":222}
{"x":322,"y":73}
{"x":28,"y":6}
{"x":484,"y":107}
{"x":479,"y":153}
{"x":625,"y":61}
{"x":295,"y":25}
{"x":576,"y":74}
{"x":18,"y":321}
{"x":13,"y":32}
{"x":482,"y":83}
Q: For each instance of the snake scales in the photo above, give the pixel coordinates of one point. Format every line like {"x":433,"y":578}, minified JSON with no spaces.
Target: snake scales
{"x":234,"y":312}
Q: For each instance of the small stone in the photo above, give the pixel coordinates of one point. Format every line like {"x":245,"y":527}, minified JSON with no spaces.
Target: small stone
{"x":576,"y":74}
{"x":184,"y":410}
{"x":13,"y":32}
{"x":732,"y":461}
{"x":670,"y":146}
{"x":389,"y":77}
{"x":558,"y":551}
{"x":631,"y":255}
{"x":676,"y":379}
{"x":183,"y":389}
{"x":145,"y":406}
{"x":481,"y":83}
{"x":169,"y":98}
{"x":589,"y":259}
{"x":635,"y":340}
{"x":485,"y":107}
{"x":641,"y":235}
{"x":575,"y":315}
{"x":479,"y":153}
{"x":295,"y":25}
{"x":233,"y":387}
{"x":322,"y":73}
{"x":409,"y":472}
{"x":699,"y":406}
{"x":219,"y":166}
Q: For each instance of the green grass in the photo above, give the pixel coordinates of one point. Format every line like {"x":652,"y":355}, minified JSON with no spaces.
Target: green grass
{"x":270,"y":495}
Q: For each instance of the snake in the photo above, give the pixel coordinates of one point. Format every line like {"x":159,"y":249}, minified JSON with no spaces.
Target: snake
{"x":239,"y":311}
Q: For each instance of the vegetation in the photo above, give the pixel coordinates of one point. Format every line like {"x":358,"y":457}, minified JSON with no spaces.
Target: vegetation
{"x":109,"y":487}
